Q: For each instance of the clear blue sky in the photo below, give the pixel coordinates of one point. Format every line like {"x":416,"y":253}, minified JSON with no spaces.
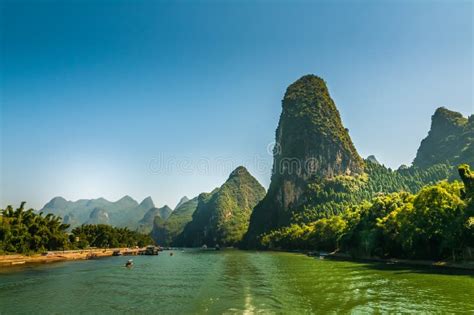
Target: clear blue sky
{"x":107,"y":98}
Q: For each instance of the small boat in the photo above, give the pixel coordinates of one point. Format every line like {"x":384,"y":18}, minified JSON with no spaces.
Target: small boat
{"x":91,"y":256}
{"x":116,"y":253}
{"x":129,"y":263}
{"x":323,"y":255}
{"x":152,"y":250}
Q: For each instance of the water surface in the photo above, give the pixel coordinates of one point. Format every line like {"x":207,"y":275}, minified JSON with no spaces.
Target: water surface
{"x":231,"y":281}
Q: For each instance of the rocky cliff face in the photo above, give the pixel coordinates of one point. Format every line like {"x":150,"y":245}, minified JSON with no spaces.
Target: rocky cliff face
{"x":311,"y":142}
{"x":222,"y":217}
{"x":450,"y":140}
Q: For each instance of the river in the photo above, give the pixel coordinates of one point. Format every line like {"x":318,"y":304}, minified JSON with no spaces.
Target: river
{"x":232,"y":281}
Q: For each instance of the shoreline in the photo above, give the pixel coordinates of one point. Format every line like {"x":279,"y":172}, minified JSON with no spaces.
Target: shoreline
{"x":466,"y":265}
{"x":12,"y":260}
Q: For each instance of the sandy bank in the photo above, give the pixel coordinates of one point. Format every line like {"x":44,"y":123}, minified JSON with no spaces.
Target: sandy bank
{"x":54,"y":256}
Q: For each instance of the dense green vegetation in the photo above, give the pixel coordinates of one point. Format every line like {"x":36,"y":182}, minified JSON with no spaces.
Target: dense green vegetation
{"x":311,"y":141}
{"x":435,"y":223}
{"x":325,"y":197}
{"x":146,"y":224}
{"x":450,"y":140}
{"x":107,"y":236}
{"x":27,"y":231}
{"x":166,"y":231}
{"x":310,"y":118}
{"x":318,"y":174}
{"x":222,"y":216}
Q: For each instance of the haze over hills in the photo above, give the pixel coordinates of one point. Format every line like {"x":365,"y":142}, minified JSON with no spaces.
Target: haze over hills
{"x":125,"y":212}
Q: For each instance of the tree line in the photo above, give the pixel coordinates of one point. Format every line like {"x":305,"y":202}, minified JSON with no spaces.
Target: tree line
{"x":27,"y":231}
{"x":437,"y":222}
{"x":326,"y":197}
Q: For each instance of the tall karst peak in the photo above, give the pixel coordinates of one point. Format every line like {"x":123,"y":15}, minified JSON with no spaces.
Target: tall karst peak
{"x":311,"y":142}
{"x":450,"y":140}
{"x":445,"y":120}
{"x":311,"y":132}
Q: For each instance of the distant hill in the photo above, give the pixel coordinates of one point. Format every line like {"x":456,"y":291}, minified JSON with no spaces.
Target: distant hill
{"x":98,"y":216}
{"x":145,"y":225}
{"x":125,"y":212}
{"x":181,"y":202}
{"x":222,"y":216}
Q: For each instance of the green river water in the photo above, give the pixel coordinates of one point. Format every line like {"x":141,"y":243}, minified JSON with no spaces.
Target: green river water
{"x":229,"y":282}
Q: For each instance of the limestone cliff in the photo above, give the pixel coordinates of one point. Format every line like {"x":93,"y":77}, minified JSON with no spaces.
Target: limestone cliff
{"x":311,"y":143}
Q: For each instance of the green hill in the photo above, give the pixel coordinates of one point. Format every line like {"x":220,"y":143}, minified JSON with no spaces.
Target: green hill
{"x":222,"y":216}
{"x":166,"y":230}
{"x":317,"y":172}
{"x":450,"y":140}
{"x":145,"y":225}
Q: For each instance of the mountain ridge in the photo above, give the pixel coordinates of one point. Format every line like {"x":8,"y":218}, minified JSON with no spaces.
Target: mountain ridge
{"x":124,"y":212}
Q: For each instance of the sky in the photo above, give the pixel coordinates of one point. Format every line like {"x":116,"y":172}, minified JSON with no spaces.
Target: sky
{"x":164,"y":98}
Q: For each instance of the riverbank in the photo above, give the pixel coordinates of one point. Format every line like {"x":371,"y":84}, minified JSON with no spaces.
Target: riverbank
{"x":55,"y":256}
{"x":468,"y":265}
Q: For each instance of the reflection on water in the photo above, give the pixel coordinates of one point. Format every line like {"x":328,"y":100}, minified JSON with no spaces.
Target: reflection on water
{"x":229,"y":282}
